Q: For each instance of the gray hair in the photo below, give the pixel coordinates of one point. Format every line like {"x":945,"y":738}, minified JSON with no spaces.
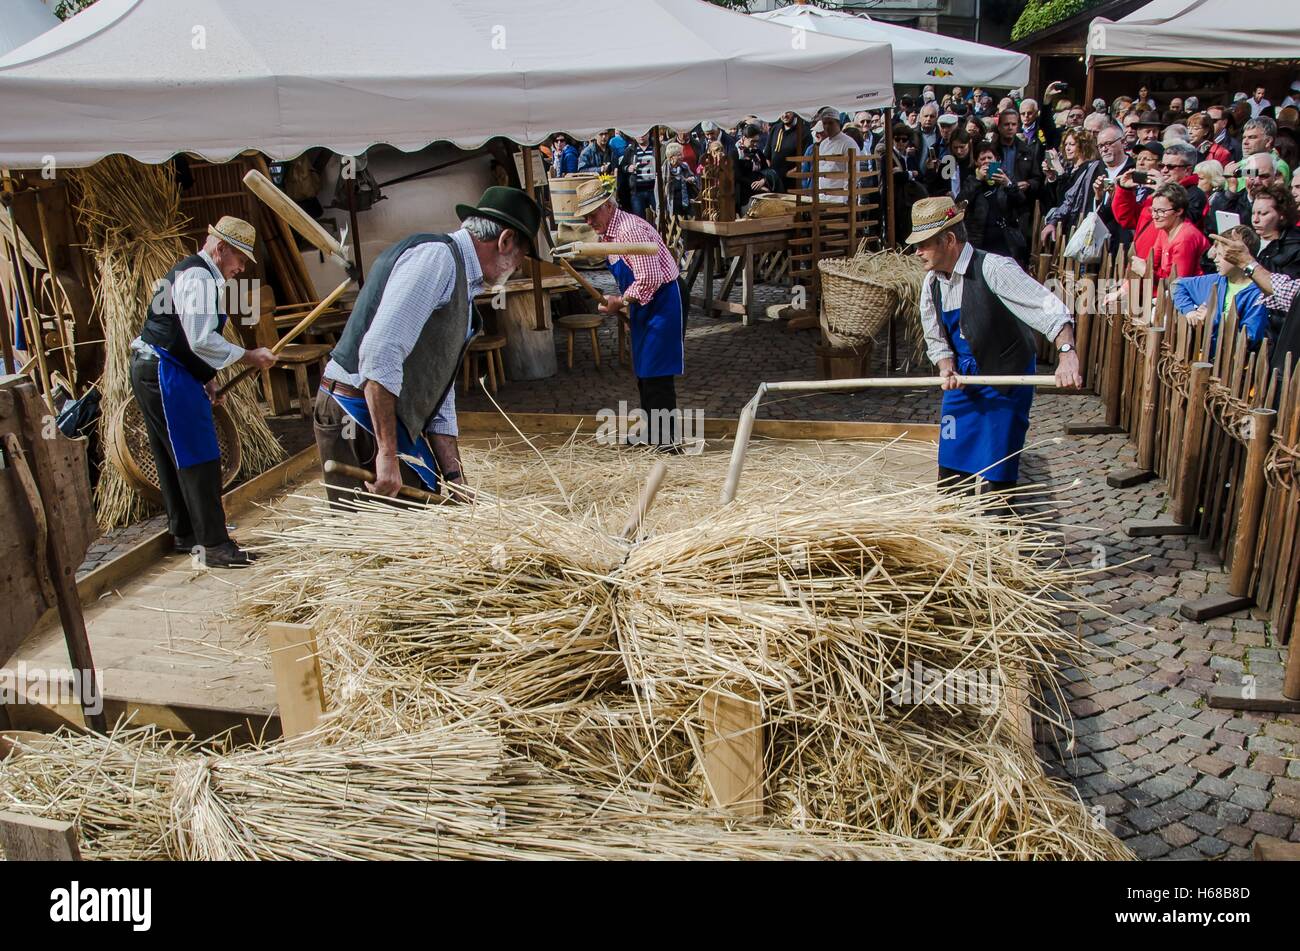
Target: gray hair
{"x":1212,"y":170}
{"x":930,"y":107}
{"x":1028,"y":102}
{"x":485,"y":229}
{"x":1263,"y":124}
{"x":1184,"y":151}
{"x":1252,"y":161}
{"x":1175,"y":133}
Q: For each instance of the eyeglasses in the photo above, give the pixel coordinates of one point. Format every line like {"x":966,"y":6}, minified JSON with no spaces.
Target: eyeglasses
{"x":1172,"y":168}
{"x":1161,"y":212}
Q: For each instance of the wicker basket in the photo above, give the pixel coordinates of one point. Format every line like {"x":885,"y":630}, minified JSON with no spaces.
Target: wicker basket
{"x":129,"y":447}
{"x":854,"y":308}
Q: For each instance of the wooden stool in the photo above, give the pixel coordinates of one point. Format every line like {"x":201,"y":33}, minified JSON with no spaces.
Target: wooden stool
{"x":588,"y":322}
{"x":298,"y":357}
{"x":488,"y":346}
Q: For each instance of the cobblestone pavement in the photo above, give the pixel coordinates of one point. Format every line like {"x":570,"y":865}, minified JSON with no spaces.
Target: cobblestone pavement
{"x":1175,"y":778}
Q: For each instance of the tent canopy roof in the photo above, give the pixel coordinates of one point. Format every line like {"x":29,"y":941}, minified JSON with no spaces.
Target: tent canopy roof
{"x":920,"y":58}
{"x":150,"y":78}
{"x":1207,"y":30}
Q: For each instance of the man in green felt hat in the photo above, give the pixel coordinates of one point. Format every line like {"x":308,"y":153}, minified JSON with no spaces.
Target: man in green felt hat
{"x":387,"y":400}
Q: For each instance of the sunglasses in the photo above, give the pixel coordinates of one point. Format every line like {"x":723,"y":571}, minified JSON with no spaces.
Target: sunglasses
{"x":1172,"y":168}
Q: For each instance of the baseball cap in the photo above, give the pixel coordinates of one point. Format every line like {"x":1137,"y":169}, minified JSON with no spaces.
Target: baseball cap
{"x":1155,"y":148}
{"x":948,"y":119}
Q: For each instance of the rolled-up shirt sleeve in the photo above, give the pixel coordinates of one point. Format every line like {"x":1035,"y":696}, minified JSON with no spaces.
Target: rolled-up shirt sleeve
{"x":936,"y":344}
{"x":195,"y":296}
{"x":1030,"y":301}
{"x":421,"y":281}
{"x":443,"y":422}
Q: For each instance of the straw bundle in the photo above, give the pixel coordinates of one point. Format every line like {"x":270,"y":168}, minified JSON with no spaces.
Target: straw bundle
{"x":443,"y":792}
{"x":131,"y":213}
{"x":514,"y":659}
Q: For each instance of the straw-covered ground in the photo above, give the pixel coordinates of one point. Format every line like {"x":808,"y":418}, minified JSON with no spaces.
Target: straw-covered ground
{"x":515,"y":679}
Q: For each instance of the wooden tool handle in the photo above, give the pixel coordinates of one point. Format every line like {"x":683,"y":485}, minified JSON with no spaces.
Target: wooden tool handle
{"x":647,"y":499}
{"x":597,"y":249}
{"x":288,"y":338}
{"x":297,"y":219}
{"x":365,"y":475}
{"x":586,"y":285}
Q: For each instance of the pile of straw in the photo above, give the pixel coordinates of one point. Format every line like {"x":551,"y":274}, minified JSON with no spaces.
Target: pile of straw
{"x":131,"y":213}
{"x":572,"y":667}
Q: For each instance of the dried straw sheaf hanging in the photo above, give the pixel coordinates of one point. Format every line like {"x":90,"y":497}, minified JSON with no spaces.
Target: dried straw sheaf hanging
{"x":131,"y":213}
{"x":809,"y":598}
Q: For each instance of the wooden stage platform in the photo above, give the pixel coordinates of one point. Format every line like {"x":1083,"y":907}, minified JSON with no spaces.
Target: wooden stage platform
{"x":163,"y":632}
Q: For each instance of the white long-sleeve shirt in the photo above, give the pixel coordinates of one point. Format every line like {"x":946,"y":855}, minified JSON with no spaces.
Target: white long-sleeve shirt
{"x":1030,"y":301}
{"x":422,"y":280}
{"x":196,"y":302}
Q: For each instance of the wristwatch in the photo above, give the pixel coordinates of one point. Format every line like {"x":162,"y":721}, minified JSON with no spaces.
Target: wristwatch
{"x":1065,"y":348}
{"x":1249,"y":269}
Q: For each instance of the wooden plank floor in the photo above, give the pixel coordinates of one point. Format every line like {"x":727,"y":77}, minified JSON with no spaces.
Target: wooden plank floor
{"x":167,"y":638}
{"x":169,"y":647}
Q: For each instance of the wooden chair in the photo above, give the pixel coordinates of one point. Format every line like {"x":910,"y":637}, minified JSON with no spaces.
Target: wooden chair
{"x":297,"y":357}
{"x":488,"y":347}
{"x":588,"y":322}
{"x":624,"y":340}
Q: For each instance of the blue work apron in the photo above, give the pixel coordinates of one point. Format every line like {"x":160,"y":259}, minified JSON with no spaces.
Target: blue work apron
{"x":187,"y":409}
{"x":657,"y":328}
{"x":983,"y":427}
{"x":415,"y":453}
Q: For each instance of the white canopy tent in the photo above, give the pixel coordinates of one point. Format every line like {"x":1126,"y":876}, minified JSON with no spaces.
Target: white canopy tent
{"x":1194,"y":35}
{"x":22,"y":21}
{"x":920,"y":58}
{"x":150,"y":78}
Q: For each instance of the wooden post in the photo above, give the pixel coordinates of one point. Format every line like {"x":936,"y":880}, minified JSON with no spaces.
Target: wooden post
{"x":887,"y":184}
{"x":1150,"y":382}
{"x":534,"y":270}
{"x":733,"y":753}
{"x":33,"y":839}
{"x":1184,"y":481}
{"x":661,"y":218}
{"x":1251,"y":506}
{"x":356,"y":232}
{"x":63,"y":573}
{"x":1113,"y":371}
{"x":296,"y":667}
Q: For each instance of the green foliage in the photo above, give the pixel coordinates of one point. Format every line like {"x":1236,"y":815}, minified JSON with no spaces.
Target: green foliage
{"x":67,"y":8}
{"x":1040,"y":14}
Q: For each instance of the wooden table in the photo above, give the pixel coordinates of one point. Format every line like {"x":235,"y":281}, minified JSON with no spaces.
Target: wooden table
{"x":740,"y":240}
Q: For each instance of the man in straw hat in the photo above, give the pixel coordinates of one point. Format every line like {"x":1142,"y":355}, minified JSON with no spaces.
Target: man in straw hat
{"x":648,"y":289}
{"x":387,"y":393}
{"x":976,"y":311}
{"x":174,"y":365}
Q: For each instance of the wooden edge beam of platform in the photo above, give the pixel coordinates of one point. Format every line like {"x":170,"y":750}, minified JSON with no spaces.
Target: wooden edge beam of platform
{"x":1215,"y":605}
{"x":33,"y":839}
{"x":295,"y":664}
{"x":714,"y":428}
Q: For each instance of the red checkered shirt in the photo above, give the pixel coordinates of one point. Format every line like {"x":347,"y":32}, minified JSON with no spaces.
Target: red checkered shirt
{"x":649,"y":271}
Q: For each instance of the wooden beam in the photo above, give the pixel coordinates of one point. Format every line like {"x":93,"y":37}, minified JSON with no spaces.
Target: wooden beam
{"x":1092,"y":429}
{"x":733,"y":753}
{"x":1216,"y":605}
{"x":33,"y":839}
{"x":295,"y":664}
{"x":1263,"y":701}
{"x":1269,"y":849}
{"x":1123,"y":478}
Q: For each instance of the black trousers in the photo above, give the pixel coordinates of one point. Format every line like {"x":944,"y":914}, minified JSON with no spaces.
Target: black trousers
{"x":659,"y":393}
{"x":192,"y":496}
{"x":341,"y":439}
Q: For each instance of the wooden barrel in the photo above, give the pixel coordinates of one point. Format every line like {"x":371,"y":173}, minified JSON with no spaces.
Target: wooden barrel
{"x":564,"y":197}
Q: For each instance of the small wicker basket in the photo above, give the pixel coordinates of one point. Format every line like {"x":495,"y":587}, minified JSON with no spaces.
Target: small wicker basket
{"x":129,"y":447}
{"x":854,"y":308}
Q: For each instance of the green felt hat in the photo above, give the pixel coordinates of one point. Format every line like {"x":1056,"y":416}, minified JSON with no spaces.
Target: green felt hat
{"x":510,"y":207}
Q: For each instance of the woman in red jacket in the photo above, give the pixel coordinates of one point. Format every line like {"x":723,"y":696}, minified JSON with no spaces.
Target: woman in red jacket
{"x":1180,"y":245}
{"x":1131,"y":211}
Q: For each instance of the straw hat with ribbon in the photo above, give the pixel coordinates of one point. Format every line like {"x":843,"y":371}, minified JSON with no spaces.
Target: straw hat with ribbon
{"x":590,"y":195}
{"x":932,"y":216}
{"x":237,"y":233}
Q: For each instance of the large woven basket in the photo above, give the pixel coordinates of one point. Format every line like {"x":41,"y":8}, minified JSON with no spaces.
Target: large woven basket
{"x":129,"y":447}
{"x":854,"y":308}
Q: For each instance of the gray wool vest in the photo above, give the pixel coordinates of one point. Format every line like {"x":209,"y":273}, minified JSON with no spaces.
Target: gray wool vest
{"x":430,"y":369}
{"x":1000,"y":342}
